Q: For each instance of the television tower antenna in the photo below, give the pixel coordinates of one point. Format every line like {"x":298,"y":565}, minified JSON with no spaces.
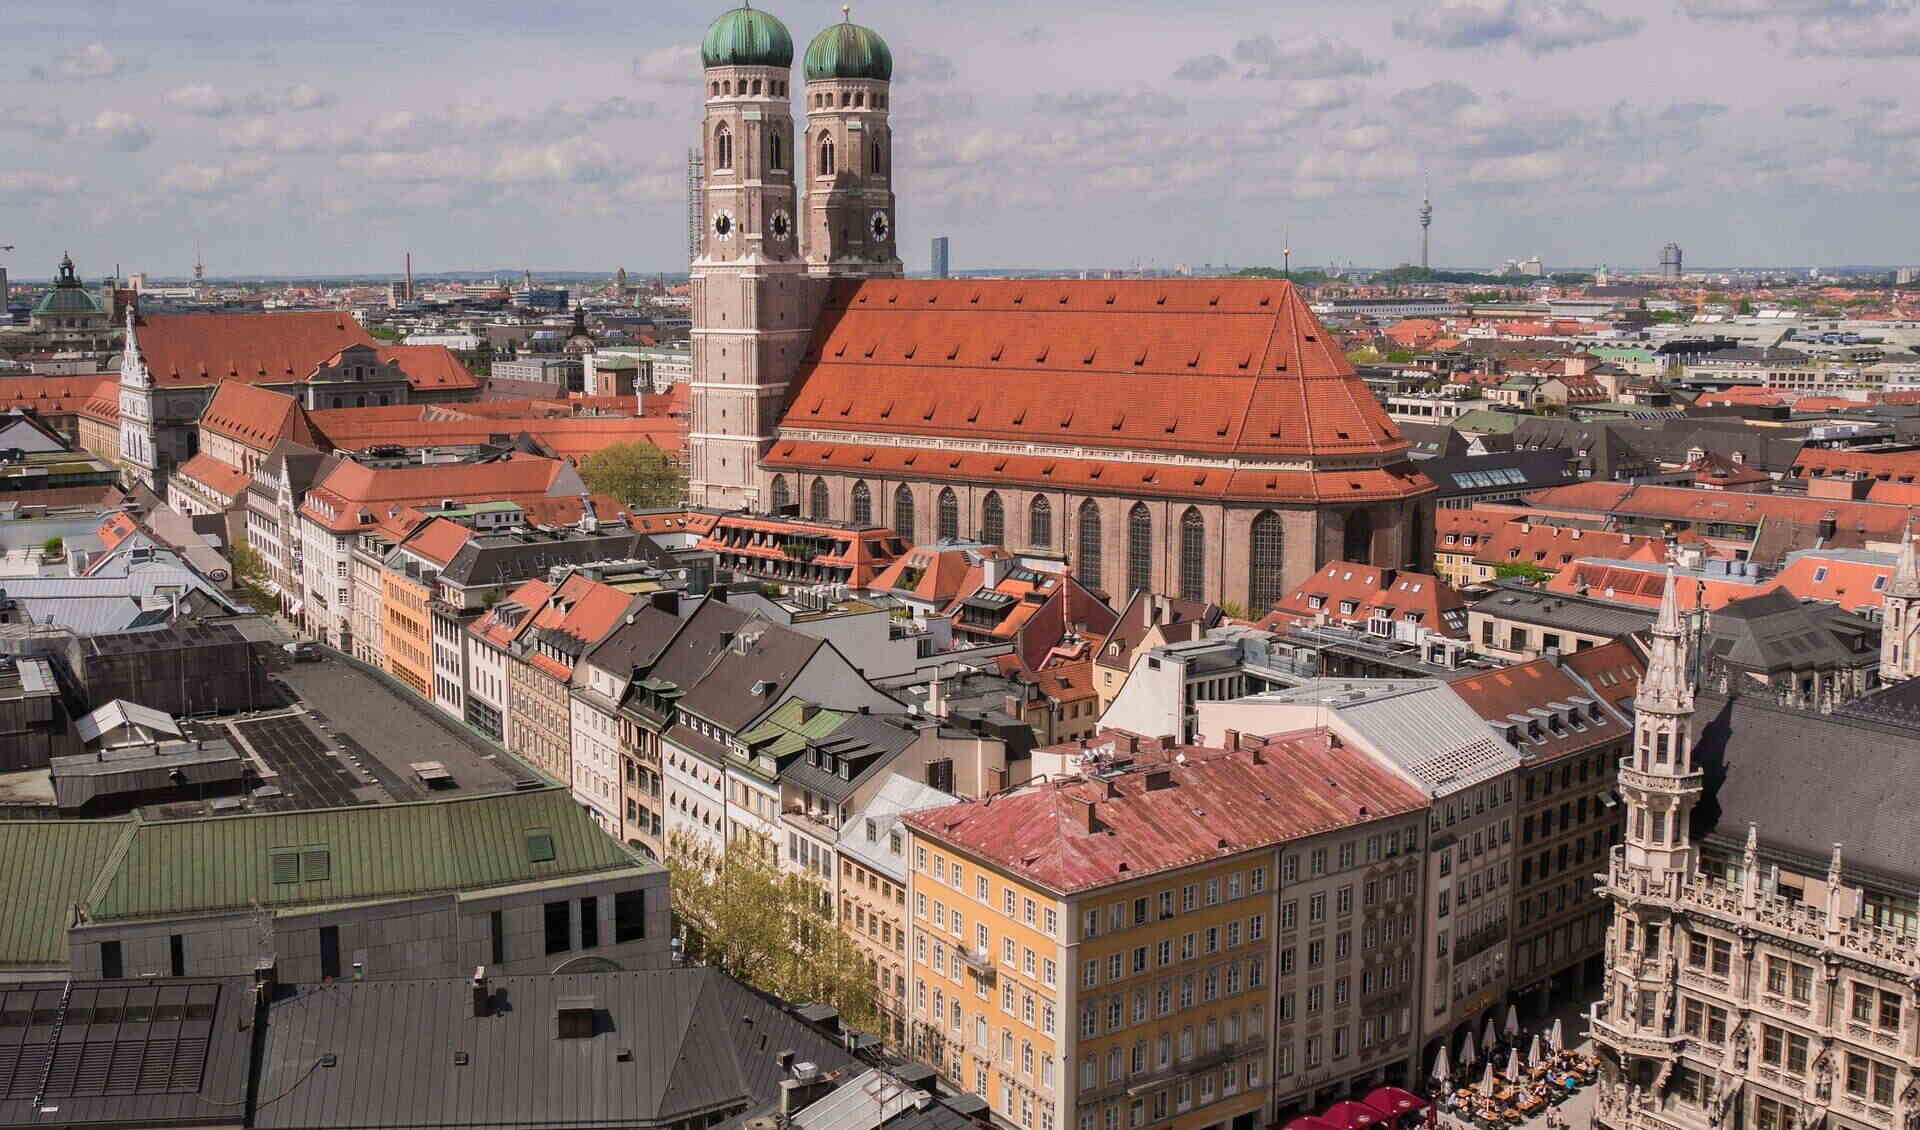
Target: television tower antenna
{"x":1286,"y":256}
{"x":1426,"y":220}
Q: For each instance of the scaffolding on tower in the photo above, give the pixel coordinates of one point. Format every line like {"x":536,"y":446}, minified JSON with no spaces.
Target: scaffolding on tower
{"x":696,"y":213}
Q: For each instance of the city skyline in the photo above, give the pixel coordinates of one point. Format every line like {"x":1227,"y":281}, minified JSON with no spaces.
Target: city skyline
{"x":278,"y":148}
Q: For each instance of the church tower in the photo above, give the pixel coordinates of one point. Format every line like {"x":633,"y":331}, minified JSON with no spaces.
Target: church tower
{"x":849,"y":154}
{"x":752,"y":310}
{"x":1662,"y":784}
{"x":139,"y":461}
{"x":1900,"y":617}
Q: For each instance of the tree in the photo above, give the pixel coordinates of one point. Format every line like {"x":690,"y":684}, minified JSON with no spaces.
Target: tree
{"x":250,"y":575}
{"x":54,"y":546}
{"x":773,"y":929}
{"x":637,"y":474}
{"x":1523,"y":570}
{"x":383,"y":333}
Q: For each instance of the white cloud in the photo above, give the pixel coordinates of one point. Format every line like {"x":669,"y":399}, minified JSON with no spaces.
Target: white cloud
{"x":27,"y":186}
{"x":1202,"y":68}
{"x":677,"y":65}
{"x":200,"y":99}
{"x":94,"y":61}
{"x":211,"y":180}
{"x":210,"y":102}
{"x":1538,"y":26}
{"x":1306,"y":58}
{"x":121,"y":130}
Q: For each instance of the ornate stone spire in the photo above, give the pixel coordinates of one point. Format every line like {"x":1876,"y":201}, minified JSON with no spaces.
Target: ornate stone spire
{"x":1750,"y":867}
{"x":1667,"y":685}
{"x":1906,"y":574}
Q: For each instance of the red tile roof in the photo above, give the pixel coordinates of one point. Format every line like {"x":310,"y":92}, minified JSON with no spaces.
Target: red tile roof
{"x":1879,"y":522}
{"x":258,"y":417}
{"x":354,"y":496}
{"x":582,"y":608}
{"x":1642,"y":585}
{"x":1891,"y":466}
{"x":116,"y":528}
{"x":936,"y":574}
{"x":201,"y":349}
{"x":1368,"y":589}
{"x":438,"y":540}
{"x":863,"y":552}
{"x":1081,"y":833}
{"x":429,"y":367}
{"x":1554,"y":547}
{"x":1849,"y":583}
{"x":52,"y":396}
{"x":1499,"y":695}
{"x":1208,"y":366}
{"x":568,"y":437}
{"x":1178,"y":621}
{"x":222,"y":479}
{"x":504,"y":622}
{"x":1612,"y":670}
{"x":1089,"y":475}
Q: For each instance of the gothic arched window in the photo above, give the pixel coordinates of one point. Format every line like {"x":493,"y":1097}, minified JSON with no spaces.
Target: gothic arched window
{"x":826,"y":157}
{"x":876,"y":168}
{"x":776,"y":150}
{"x":723,"y":147}
{"x":1193,"y":555}
{"x":781,"y":498}
{"x":817,"y":503}
{"x":949,"y":515}
{"x":1040,"y":523}
{"x":993,"y":520}
{"x":862,"y":505}
{"x":1264,"y":555}
{"x":1139,"y":548}
{"x":1088,"y":566}
{"x":1357,"y":544}
{"x":903,"y":512}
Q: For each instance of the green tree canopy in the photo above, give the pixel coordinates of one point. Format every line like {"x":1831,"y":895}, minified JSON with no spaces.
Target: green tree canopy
{"x":773,"y":929}
{"x":637,"y":474}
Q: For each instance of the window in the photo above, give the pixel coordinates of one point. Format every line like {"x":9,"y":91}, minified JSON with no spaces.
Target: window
{"x":826,"y":157}
{"x":1193,"y":551}
{"x":329,"y":952}
{"x":776,"y":150}
{"x":862,"y":505}
{"x":1088,"y":568}
{"x":559,"y":926}
{"x":723,"y":147}
{"x":589,"y":923}
{"x":782,"y":498}
{"x":1040,"y":522}
{"x":1139,"y":548}
{"x":1771,"y":1115}
{"x":817,"y":499}
{"x":949,"y":515}
{"x":903,"y":513}
{"x":112,"y":967}
{"x":176,"y":955}
{"x":993,"y":520}
{"x":1265,"y":584}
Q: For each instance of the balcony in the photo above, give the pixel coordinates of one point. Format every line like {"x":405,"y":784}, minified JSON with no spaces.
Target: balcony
{"x":978,"y":960}
{"x":1659,"y":783}
{"x":1617,"y":1036}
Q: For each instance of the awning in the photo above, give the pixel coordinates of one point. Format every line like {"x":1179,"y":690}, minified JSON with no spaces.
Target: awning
{"x":1393,"y":1101}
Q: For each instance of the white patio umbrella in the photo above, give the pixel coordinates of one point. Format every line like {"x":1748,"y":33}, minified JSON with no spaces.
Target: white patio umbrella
{"x":1489,"y":1037}
{"x":1533,"y":1051}
{"x":1513,"y":1021}
{"x":1556,"y":1039}
{"x":1466,"y":1051}
{"x":1513,"y":1063}
{"x":1486,"y":1081}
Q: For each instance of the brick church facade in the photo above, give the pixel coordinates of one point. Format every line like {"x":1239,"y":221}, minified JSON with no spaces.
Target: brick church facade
{"x":1199,"y":437}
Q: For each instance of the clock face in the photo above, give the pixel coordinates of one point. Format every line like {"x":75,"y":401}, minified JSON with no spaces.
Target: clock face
{"x":781,"y":225}
{"x":880,"y":226}
{"x":723,"y":225}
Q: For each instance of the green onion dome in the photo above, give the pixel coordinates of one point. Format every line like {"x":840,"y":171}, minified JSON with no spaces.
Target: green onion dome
{"x":847,"y":50}
{"x":747,"y":37}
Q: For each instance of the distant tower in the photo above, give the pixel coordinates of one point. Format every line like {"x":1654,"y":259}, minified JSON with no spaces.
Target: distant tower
{"x":199,"y":271}
{"x":849,"y":155}
{"x":1900,"y":617}
{"x":1426,"y":221}
{"x":941,"y":265}
{"x":407,"y":292}
{"x":1670,"y":261}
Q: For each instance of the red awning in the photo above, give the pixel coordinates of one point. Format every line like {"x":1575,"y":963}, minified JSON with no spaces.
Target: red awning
{"x":1310,"y":1122}
{"x":1353,"y":1116}
{"x":1393,"y":1101}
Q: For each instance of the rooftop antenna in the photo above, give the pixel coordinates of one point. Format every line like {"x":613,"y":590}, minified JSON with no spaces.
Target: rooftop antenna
{"x":1426,"y":218}
{"x":1286,"y":256}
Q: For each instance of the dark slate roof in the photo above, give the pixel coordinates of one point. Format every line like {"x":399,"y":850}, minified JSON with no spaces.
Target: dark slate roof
{"x":1810,"y":781}
{"x":1768,"y":449}
{"x":762,"y":655}
{"x":869,"y":741}
{"x":1607,"y":446}
{"x":1500,"y":471}
{"x":636,"y":642}
{"x":1511,"y":601}
{"x":667,"y":1045}
{"x":1427,"y":440}
{"x":178,"y":1050}
{"x":504,"y":559}
{"x":1776,"y":632}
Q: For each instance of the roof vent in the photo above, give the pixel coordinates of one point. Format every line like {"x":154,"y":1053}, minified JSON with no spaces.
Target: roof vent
{"x":574,"y":1018}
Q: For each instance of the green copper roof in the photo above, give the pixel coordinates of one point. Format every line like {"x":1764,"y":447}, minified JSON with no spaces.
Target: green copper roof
{"x":68,"y":300}
{"x":847,"y":50}
{"x":747,"y":37}
{"x":51,"y":867}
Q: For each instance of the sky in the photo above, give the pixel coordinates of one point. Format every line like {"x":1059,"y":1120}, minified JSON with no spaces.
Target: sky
{"x":321,"y":138}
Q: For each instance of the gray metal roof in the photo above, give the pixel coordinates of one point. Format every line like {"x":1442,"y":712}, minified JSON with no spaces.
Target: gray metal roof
{"x":120,"y":713}
{"x":172,"y":1052}
{"x":81,"y":777}
{"x":1576,"y":613}
{"x":1428,"y":732}
{"x":667,"y":1045}
{"x":867,"y":742}
{"x":1774,"y":631}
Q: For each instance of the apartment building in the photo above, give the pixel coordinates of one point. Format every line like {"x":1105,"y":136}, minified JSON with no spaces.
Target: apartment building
{"x":1424,"y":733}
{"x":872,"y":890}
{"x":274,"y":529}
{"x":603,"y":733}
{"x":1570,"y":739}
{"x":1103,"y":950}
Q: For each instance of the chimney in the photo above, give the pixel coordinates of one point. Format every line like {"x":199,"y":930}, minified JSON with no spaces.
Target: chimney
{"x":666,"y":600}
{"x":1159,"y":779}
{"x":1084,"y":814}
{"x":809,"y":711}
{"x":482,"y":994}
{"x":1386,"y":578}
{"x":1232,"y":740}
